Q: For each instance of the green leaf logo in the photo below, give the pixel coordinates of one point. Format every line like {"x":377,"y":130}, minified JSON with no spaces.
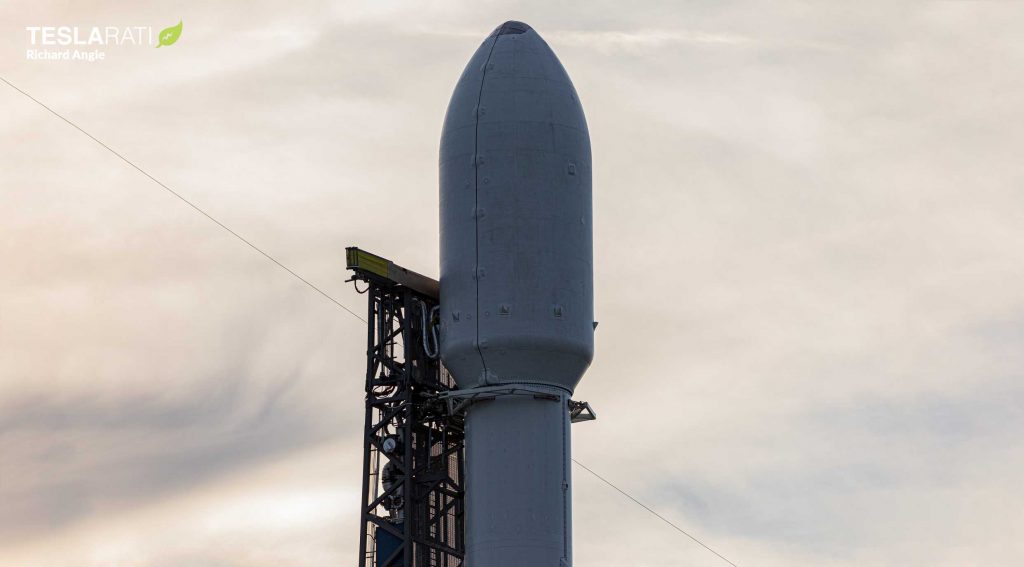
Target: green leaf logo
{"x":169,"y":35}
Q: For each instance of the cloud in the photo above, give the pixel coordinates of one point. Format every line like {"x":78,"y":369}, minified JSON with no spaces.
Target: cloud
{"x":808,"y":234}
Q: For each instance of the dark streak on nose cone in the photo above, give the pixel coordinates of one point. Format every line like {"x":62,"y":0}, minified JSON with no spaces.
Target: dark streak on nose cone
{"x":511,"y":27}
{"x":517,"y":290}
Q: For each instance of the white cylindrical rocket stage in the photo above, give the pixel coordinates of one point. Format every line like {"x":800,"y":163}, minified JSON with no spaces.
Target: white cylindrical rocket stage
{"x":517,"y":302}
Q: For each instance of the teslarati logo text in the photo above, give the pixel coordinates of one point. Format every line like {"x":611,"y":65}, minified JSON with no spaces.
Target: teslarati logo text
{"x":90,"y":44}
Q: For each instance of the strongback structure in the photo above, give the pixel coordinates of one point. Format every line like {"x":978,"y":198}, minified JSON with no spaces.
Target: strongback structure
{"x":413,"y":459}
{"x":473,"y":467}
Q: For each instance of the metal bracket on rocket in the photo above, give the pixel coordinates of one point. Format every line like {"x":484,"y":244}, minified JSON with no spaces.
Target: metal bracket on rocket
{"x":581,"y":411}
{"x":458,"y":400}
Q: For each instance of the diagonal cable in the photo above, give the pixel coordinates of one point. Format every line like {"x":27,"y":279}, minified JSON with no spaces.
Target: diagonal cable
{"x":659,"y":516}
{"x":186,"y":201}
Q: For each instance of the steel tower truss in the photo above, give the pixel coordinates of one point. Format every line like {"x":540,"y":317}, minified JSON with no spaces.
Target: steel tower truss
{"x":413,"y":445}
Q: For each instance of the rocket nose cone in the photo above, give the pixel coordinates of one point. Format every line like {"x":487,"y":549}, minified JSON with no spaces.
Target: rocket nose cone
{"x":511,"y":27}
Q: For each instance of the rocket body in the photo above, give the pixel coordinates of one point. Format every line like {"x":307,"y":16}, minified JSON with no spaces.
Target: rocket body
{"x":517,"y":289}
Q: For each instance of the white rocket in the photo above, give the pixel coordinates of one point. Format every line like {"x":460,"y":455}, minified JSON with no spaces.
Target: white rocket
{"x":517,"y":301}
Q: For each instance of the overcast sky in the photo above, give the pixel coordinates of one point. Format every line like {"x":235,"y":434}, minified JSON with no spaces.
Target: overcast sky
{"x":809,"y":230}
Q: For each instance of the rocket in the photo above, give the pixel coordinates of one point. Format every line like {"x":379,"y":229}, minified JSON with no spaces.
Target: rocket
{"x":516,"y":294}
